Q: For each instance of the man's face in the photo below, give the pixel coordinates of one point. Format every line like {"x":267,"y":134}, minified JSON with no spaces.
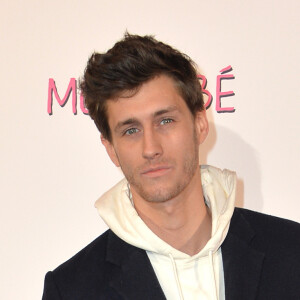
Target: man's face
{"x":155,"y":140}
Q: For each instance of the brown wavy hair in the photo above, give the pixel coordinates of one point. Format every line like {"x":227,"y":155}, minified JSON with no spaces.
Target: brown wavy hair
{"x":131,"y":62}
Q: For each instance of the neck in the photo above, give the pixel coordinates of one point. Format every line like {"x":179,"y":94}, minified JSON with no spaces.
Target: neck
{"x":183,"y":222}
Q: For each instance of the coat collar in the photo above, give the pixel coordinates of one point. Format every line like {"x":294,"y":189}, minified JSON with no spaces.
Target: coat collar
{"x":242,"y":263}
{"x":132,"y":276}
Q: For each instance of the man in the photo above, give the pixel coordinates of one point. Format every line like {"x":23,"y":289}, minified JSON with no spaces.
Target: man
{"x":174,"y":232}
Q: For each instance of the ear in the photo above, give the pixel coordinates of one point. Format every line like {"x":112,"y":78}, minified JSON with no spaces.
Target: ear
{"x":110,"y":151}
{"x":201,"y":125}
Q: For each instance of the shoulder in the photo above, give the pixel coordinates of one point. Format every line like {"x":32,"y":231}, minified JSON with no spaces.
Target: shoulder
{"x":264,"y":222}
{"x":92,"y":254}
{"x":83,"y":274}
{"x":269,"y":232}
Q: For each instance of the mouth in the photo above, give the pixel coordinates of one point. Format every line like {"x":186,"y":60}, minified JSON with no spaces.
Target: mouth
{"x":157,"y":171}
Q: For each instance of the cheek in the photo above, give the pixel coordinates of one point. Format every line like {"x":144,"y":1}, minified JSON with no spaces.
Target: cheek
{"x":127,"y":157}
{"x":183,"y":140}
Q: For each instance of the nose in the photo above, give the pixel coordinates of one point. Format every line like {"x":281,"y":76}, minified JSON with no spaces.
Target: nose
{"x":152,"y":147}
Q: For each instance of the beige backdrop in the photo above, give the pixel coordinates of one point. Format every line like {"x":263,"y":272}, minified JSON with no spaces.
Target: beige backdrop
{"x":53,"y":167}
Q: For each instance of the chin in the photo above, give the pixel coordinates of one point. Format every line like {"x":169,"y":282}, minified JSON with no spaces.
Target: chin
{"x":158,"y":194}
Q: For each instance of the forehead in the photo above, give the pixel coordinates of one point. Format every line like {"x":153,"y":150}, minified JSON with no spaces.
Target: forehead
{"x":154,"y":95}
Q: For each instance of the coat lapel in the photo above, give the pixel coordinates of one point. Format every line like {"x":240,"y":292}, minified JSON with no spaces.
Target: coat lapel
{"x":132,"y":275}
{"x":242,"y":264}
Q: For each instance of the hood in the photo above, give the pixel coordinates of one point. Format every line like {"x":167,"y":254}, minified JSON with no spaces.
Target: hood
{"x":118,"y":213}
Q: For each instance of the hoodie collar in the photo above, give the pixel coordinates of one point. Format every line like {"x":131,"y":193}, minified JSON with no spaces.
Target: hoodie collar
{"x":117,"y":211}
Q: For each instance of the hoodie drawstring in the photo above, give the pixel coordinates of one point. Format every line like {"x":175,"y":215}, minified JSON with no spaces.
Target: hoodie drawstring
{"x":176,"y":276}
{"x":210,"y":254}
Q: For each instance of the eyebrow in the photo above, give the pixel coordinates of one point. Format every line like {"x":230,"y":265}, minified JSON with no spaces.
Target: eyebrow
{"x":165,"y":110}
{"x":131,"y":121}
{"x":134,"y":121}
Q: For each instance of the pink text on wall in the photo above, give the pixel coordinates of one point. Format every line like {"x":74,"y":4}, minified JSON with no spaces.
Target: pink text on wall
{"x":219,"y":93}
{"x":72,"y":90}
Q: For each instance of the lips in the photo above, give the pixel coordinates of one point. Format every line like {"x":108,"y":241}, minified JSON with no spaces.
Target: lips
{"x":156,"y":171}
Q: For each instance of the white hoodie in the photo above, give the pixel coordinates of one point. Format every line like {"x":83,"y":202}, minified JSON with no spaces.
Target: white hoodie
{"x":180,"y":275}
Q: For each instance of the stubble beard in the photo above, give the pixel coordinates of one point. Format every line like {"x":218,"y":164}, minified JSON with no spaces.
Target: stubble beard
{"x":164,"y":193}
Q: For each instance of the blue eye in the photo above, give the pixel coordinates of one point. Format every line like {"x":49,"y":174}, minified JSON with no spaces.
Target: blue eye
{"x":166,"y":121}
{"x":131,"y":131}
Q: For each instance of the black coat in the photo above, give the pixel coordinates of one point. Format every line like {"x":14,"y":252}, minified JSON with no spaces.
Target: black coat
{"x":261,"y":260}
